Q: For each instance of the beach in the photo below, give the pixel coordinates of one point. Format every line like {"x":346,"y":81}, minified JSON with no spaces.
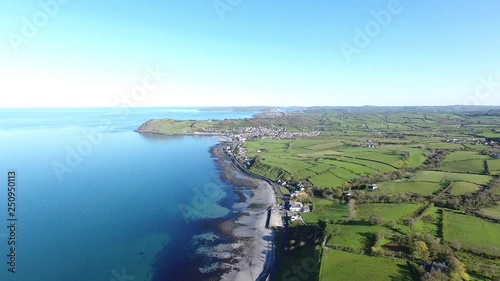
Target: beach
{"x":254,"y":242}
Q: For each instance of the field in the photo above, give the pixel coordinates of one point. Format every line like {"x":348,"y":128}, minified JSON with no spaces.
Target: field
{"x":422,"y":188}
{"x":390,"y":212}
{"x":436,"y":176}
{"x":351,"y":236}
{"x":338,"y":265}
{"x":494,"y":166}
{"x":464,"y":155}
{"x":326,"y":210}
{"x":467,"y":167}
{"x":492,"y":212}
{"x":470,"y":231}
{"x":461,"y":188}
{"x":326,"y":163}
{"x":426,"y":227}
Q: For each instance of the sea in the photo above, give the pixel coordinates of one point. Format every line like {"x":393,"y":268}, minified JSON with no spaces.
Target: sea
{"x":94,"y":200}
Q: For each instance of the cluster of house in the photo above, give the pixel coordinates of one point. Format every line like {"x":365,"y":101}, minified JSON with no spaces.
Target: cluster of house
{"x":262,"y":132}
{"x":259,"y":132}
{"x":295,"y":208}
{"x":472,"y":141}
{"x":370,"y":144}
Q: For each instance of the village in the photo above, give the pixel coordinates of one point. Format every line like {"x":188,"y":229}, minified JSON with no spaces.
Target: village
{"x":260,"y":132}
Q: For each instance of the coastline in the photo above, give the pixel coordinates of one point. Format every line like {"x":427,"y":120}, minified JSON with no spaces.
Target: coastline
{"x":256,"y":242}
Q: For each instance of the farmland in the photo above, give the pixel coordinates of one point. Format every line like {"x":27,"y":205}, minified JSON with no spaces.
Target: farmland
{"x":380,"y":181}
{"x":421,"y":188}
{"x":390,"y":212}
{"x":471,"y":232}
{"x":492,"y":212}
{"x":409,"y":171}
{"x":338,"y":265}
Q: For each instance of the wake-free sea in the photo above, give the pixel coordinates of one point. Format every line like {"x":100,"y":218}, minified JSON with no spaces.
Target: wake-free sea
{"x":114,"y":211}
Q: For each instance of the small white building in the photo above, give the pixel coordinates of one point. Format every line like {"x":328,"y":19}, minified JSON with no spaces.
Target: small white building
{"x":297,"y":207}
{"x":372,"y":186}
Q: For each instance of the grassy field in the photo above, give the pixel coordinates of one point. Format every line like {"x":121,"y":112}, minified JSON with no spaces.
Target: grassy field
{"x":351,"y":236}
{"x":340,"y":266}
{"x":467,"y":167}
{"x":326,"y":210}
{"x":464,"y":155}
{"x":494,"y":166}
{"x":328,"y":163}
{"x":460,"y":188}
{"x":436,"y":176}
{"x":470,"y":231}
{"x":422,"y":188}
{"x":390,"y":212}
{"x":426,"y":227}
{"x":493,"y":212}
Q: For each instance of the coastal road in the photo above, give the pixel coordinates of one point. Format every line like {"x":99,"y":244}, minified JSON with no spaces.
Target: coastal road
{"x":246,"y":171}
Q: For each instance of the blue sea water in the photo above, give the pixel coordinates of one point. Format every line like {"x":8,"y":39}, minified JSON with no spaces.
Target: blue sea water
{"x":97,"y":201}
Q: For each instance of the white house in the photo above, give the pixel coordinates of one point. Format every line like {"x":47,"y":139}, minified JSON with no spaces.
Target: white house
{"x":297,"y":207}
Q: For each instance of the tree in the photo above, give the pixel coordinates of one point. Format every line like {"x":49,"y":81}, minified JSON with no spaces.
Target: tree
{"x":377,"y":220}
{"x":411,"y":222}
{"x":428,"y":219}
{"x":457,"y":270}
{"x":435,"y":275}
{"x":420,"y":250}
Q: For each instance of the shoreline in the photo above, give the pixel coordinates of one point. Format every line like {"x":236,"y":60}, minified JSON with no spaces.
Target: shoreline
{"x":258,"y":251}
{"x":221,"y":137}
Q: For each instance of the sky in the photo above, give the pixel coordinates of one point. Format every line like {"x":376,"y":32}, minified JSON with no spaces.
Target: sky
{"x":94,"y":53}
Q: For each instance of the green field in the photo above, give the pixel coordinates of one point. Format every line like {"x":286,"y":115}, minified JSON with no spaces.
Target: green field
{"x":492,"y":212}
{"x":390,"y":212}
{"x":470,"y":231}
{"x":464,"y":155}
{"x":467,"y":167}
{"x":422,"y":188}
{"x":326,"y":210}
{"x":327,"y":179}
{"x":340,"y":266}
{"x":426,"y":227}
{"x":436,"y":176}
{"x":351,"y":236}
{"x":461,"y":188}
{"x":494,"y":166}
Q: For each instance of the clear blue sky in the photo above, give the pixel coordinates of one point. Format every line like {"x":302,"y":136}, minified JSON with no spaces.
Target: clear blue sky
{"x":92,"y":52}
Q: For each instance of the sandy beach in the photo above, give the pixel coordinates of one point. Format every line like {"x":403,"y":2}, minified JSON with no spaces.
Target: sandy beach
{"x":254,"y":240}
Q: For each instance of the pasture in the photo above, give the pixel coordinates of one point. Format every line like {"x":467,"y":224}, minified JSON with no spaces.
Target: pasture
{"x":467,"y":167}
{"x":352,"y":236}
{"x":437,"y":176}
{"x":494,"y":166}
{"x":344,"y":266}
{"x":326,"y":210}
{"x":461,"y":188}
{"x":421,"y":188}
{"x":470,"y":231}
{"x":390,"y":212}
{"x":464,"y":155}
{"x":492,"y":212}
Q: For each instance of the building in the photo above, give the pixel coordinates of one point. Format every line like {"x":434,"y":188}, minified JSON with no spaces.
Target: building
{"x":372,"y":186}
{"x":297,"y":207}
